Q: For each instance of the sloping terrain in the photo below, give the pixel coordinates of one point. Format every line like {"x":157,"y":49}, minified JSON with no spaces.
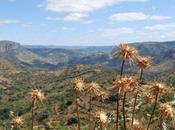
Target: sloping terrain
{"x":163,"y":55}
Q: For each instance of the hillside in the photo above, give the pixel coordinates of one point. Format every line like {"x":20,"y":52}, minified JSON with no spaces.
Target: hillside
{"x":162,"y":53}
{"x":19,"y":76}
{"x":58,"y":91}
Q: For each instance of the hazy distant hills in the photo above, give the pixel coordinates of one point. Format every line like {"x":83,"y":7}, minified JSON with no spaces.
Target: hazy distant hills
{"x":163,"y":54}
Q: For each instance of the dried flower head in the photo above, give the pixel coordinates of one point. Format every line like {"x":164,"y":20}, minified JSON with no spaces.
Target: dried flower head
{"x":166,"y":110}
{"x":78,"y":84}
{"x":93,"y":88}
{"x":126,"y":52}
{"x":136,"y":126}
{"x":18,"y":121}
{"x":101,"y":117}
{"x":37,"y":95}
{"x":158,"y":88}
{"x":120,"y":83}
{"x":131,"y":84}
{"x":143,"y":62}
{"x":126,"y":84}
{"x":148,"y":97}
{"x":102,"y":95}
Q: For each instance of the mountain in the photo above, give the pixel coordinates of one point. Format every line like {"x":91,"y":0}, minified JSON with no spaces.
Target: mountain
{"x":42,"y":58}
{"x":163,"y":54}
{"x":6,"y":46}
{"x":18,"y":77}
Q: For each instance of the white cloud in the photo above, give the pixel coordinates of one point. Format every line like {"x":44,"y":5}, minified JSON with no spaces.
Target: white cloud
{"x":125,"y":34}
{"x":68,"y":29}
{"x":159,"y":17}
{"x":168,"y":36}
{"x":77,"y":17}
{"x":15,"y":22}
{"x":7,"y":22}
{"x":135,"y":16}
{"x":80,"y":17}
{"x":82,"y":5}
{"x":53,"y":18}
{"x":78,"y":9}
{"x":113,"y":32}
{"x":161,"y":26}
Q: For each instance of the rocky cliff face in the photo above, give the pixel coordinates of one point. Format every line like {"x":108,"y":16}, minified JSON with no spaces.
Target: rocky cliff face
{"x":8,"y":46}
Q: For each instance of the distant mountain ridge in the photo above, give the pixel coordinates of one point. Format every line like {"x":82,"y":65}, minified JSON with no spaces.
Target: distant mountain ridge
{"x":163,"y":54}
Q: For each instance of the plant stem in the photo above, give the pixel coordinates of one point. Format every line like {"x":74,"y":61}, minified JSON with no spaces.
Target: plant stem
{"x":101,"y":126}
{"x":121,"y":72}
{"x":161,"y":121}
{"x":141,"y":74}
{"x":33,"y":102}
{"x":77,"y":110}
{"x":95,"y":125}
{"x":135,"y":98}
{"x":155,"y":103}
{"x":90,"y":99}
{"x":101,"y":105}
{"x":117,"y":111}
{"x":124,"y":118}
{"x":133,"y":112}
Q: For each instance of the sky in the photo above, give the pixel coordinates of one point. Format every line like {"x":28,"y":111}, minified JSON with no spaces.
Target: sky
{"x":86,"y":22}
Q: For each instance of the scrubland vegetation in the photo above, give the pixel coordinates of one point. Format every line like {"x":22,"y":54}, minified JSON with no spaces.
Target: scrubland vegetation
{"x":97,"y":101}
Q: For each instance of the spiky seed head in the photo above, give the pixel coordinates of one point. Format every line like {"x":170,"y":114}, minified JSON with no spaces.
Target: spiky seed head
{"x":143,"y":62}
{"x":37,"y":95}
{"x":18,"y":121}
{"x":78,"y":84}
{"x":120,"y":83}
{"x":131,"y":84}
{"x":93,"y":88}
{"x":148,"y":97}
{"x":158,"y":88}
{"x":126,"y":52}
{"x":166,"y":111}
{"x":126,"y":84}
{"x":102,"y":95}
{"x":101,"y":117}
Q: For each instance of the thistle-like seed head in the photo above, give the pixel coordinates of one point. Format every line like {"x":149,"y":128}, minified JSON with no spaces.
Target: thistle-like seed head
{"x":131,"y":84}
{"x":101,"y":117}
{"x":120,"y":83}
{"x":78,"y":85}
{"x":102,"y":95}
{"x":18,"y":121}
{"x":37,"y":95}
{"x":126,"y":52}
{"x":158,"y":88}
{"x":93,"y":88}
{"x":143,"y":62}
{"x":166,"y":111}
{"x":126,"y":84}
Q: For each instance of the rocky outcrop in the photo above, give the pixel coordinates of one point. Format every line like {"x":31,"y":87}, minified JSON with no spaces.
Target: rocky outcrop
{"x":8,"y":46}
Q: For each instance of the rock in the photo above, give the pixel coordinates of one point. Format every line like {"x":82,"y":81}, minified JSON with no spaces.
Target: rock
{"x":8,"y":46}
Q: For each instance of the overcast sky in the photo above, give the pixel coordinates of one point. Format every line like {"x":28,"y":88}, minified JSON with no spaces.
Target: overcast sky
{"x":86,"y":22}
